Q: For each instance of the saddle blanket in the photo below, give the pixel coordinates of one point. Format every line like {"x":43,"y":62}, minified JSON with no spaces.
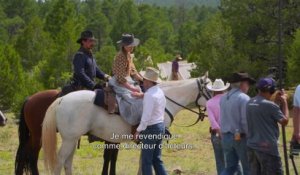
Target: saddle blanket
{"x":99,"y":98}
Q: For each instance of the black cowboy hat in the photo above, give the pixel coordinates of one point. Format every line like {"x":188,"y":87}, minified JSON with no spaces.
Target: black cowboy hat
{"x":129,"y":40}
{"x":86,"y":35}
{"x":241,"y":76}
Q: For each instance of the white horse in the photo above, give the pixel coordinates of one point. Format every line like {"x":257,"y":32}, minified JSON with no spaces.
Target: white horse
{"x":75,"y":115}
{"x":3,"y":119}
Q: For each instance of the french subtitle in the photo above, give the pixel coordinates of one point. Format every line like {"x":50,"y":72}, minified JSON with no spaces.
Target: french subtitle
{"x":146,"y":136}
{"x":128,"y":146}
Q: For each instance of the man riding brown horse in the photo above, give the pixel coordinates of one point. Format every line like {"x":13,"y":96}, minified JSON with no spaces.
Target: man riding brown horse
{"x":85,"y":69}
{"x":35,"y":106}
{"x":85,"y":66}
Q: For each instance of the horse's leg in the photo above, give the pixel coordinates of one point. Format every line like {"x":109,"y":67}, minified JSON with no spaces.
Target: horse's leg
{"x":106,"y":157}
{"x":34,"y":166}
{"x":29,"y":157}
{"x":110,"y":158}
{"x":36,"y":147}
{"x":69,"y":161}
{"x":113,"y":161}
{"x":22,"y":162}
{"x":66,"y":149}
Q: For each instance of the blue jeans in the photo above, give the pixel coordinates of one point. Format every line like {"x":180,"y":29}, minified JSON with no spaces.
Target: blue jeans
{"x":264,"y":164}
{"x":218,"y":150}
{"x":235,"y":151}
{"x":151,"y":150}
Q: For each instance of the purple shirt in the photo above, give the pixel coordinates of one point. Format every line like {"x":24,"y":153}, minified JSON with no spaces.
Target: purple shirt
{"x":213,"y":111}
{"x":175,"y":66}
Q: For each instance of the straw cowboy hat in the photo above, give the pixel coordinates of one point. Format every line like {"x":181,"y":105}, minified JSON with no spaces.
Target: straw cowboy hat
{"x":86,"y":35}
{"x":152,"y":74}
{"x":128,"y":40}
{"x":218,"y":85}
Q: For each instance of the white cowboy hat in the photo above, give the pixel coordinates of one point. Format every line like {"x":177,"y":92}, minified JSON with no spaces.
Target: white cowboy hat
{"x":218,"y":85}
{"x":152,"y":74}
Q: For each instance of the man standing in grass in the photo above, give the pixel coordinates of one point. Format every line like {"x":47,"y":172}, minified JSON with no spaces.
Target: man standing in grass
{"x":213,"y":111}
{"x":263,"y":132}
{"x":151,"y":129}
{"x":295,"y":142}
{"x":234,"y":124}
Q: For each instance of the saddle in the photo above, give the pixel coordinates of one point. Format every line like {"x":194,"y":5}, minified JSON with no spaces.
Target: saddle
{"x":106,"y":98}
{"x":110,"y":100}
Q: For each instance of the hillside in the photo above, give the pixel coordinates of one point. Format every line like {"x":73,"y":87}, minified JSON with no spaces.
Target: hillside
{"x":189,"y":3}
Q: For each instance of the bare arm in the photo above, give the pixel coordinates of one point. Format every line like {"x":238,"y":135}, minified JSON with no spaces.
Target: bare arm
{"x":296,"y":121}
{"x":285,"y":110}
{"x":284,"y":121}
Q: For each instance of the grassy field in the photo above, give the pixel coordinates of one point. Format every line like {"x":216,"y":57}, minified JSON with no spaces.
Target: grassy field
{"x":196,"y":159}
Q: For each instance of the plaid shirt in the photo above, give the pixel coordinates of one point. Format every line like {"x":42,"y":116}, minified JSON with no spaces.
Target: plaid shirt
{"x":123,"y":67}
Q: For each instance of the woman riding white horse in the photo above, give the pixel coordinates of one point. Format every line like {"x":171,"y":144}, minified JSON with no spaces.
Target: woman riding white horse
{"x":3,"y":119}
{"x":75,"y":115}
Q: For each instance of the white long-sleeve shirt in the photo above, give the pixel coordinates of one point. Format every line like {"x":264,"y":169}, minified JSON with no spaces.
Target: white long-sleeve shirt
{"x":154,"y":104}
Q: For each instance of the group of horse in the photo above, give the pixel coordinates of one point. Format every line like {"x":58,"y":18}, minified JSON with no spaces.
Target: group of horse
{"x":73,"y":115}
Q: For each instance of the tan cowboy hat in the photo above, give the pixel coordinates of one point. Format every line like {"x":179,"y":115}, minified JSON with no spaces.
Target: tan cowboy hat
{"x":218,"y":85}
{"x":152,"y":74}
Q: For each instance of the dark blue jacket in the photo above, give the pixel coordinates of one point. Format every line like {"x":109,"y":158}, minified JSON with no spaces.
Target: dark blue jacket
{"x":86,"y":69}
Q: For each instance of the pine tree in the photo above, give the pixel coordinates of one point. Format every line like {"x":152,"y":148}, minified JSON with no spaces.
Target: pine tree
{"x":127,"y":17}
{"x":151,"y":49}
{"x":13,"y":86}
{"x":31,"y":44}
{"x":214,"y":51}
{"x":294,"y":60}
{"x":65,"y":27}
{"x":97,"y":22}
{"x":25,"y":9}
{"x":105,"y":58}
{"x":255,"y":28}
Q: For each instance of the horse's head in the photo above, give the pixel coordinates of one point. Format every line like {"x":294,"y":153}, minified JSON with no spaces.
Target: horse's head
{"x":183,"y":92}
{"x":188,"y":91}
{"x":3,"y":119}
{"x":203,"y":94}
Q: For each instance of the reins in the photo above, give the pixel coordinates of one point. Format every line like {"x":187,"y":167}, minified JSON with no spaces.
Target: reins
{"x":201,"y":114}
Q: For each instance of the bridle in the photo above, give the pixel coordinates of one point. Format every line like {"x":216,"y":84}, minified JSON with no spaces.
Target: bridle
{"x":201,"y":114}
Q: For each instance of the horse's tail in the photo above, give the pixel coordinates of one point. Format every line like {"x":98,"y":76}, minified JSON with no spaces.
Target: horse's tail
{"x":49,"y":141}
{"x":22,"y":161}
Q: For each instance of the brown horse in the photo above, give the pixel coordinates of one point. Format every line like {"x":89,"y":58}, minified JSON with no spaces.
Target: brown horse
{"x":30,"y":129}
